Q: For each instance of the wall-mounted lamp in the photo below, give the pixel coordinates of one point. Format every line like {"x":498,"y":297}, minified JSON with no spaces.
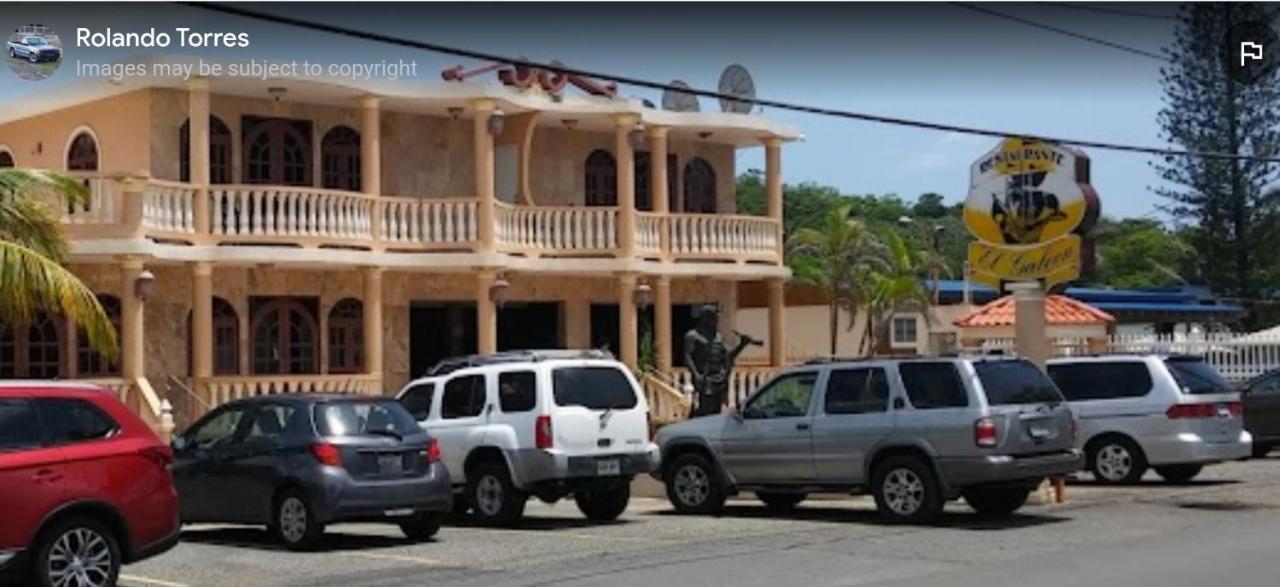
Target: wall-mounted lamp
{"x":277,"y":92}
{"x":636,"y":138}
{"x":498,"y":291}
{"x":497,"y":122}
{"x":455,"y":112}
{"x":570,"y":123}
{"x":643,"y":295}
{"x":704,"y":135}
{"x":143,"y":285}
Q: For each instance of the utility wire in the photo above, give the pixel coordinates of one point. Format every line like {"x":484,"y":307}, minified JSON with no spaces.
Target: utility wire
{"x":781,"y":105}
{"x":1054,"y":29}
{"x":1113,"y":11}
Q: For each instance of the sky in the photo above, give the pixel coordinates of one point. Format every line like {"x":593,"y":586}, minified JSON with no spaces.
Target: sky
{"x":938,"y":62}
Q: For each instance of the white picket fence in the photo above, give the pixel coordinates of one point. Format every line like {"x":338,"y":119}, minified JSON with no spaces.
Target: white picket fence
{"x":1238,"y":357}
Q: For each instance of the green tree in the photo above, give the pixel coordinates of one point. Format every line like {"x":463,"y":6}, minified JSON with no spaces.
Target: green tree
{"x":803,"y":205}
{"x":895,"y":287}
{"x":32,"y":249}
{"x":929,"y":206}
{"x":839,"y":257}
{"x":1138,"y":253}
{"x":1232,"y":221}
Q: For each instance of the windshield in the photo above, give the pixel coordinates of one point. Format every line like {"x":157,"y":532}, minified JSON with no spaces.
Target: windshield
{"x":34,"y":40}
{"x":364,"y":418}
{"x":1197,"y":377}
{"x":596,"y":388}
{"x":1015,"y":382}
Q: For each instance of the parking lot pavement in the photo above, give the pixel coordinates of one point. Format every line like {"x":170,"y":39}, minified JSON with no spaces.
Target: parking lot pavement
{"x":822,"y":542}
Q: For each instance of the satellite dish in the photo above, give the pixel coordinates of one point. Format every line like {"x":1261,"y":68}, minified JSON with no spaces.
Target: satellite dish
{"x":736,"y":81}
{"x":678,"y":101}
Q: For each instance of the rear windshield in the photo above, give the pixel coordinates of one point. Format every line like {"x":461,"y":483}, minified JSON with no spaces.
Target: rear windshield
{"x":1015,"y":382}
{"x":595,"y":388}
{"x":364,"y":418}
{"x":1197,"y":377}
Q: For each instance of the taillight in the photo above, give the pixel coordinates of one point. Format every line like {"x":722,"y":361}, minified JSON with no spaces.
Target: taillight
{"x":984,"y":432}
{"x":432,"y":452}
{"x":1237,"y":409}
{"x":1192,"y":411}
{"x":326,"y":454}
{"x":160,"y":455}
{"x":542,"y":432}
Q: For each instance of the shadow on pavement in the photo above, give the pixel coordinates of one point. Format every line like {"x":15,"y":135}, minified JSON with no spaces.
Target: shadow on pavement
{"x":818,"y":513}
{"x":260,"y":539}
{"x":1155,"y":482}
{"x":536,"y":523}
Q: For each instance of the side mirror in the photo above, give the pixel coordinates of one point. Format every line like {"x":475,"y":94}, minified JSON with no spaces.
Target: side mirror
{"x":179,"y":443}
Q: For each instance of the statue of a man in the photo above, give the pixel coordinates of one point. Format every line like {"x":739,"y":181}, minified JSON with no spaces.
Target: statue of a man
{"x":710,"y":361}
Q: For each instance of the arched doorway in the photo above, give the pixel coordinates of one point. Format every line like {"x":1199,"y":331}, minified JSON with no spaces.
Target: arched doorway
{"x":346,"y":337}
{"x":699,"y":187}
{"x":88,"y":362}
{"x":31,"y":351}
{"x":277,"y":151}
{"x":340,"y":159}
{"x":219,"y":151}
{"x":226,"y":339}
{"x":82,"y":155}
{"x":284,"y":338}
{"x":601,"y":179}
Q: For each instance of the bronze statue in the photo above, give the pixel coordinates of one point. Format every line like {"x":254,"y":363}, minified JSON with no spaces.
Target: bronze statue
{"x":709,"y":361}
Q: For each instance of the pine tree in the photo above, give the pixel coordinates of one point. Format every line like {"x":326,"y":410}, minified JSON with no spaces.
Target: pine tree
{"x":1230,"y":218}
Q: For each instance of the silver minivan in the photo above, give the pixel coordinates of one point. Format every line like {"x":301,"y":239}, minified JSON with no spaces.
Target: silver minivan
{"x":1174,"y":414}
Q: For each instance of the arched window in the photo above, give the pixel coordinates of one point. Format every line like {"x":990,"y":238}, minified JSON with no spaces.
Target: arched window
{"x":277,"y":151}
{"x":699,"y":187}
{"x":340,"y":159}
{"x":219,"y":151}
{"x":88,"y":362}
{"x":284,"y":338}
{"x":601,"y":179}
{"x":6,"y":160}
{"x":31,"y":351}
{"x":346,"y":337}
{"x":226,"y":338}
{"x":83,"y":154}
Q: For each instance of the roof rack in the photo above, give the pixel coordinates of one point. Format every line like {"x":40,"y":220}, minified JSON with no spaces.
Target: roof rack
{"x":446,"y":366}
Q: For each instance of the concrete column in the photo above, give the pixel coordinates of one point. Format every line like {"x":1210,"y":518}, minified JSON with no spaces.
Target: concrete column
{"x":198,"y":147}
{"x":202,"y":319}
{"x":773,"y":183}
{"x":371,"y":158}
{"x":662,"y":322}
{"x":486,"y":314}
{"x":482,"y":142}
{"x":373,"y":320}
{"x":777,"y":322}
{"x":577,"y":324}
{"x":658,"y":181}
{"x":1029,"y":323}
{"x":132,"y":346}
{"x":628,"y":327}
{"x":132,"y":189}
{"x":623,"y":125}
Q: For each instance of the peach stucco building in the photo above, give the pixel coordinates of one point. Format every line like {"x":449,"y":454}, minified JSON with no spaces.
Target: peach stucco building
{"x":311,"y":234}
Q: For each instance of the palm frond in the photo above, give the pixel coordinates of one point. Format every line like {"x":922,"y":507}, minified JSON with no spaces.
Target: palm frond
{"x":29,"y":214}
{"x":31,"y":282}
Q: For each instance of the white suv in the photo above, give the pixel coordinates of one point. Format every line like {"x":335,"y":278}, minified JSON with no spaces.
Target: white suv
{"x":545,"y":423}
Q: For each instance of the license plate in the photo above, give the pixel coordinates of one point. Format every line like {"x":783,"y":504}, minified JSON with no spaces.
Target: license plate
{"x":1039,"y":432}
{"x":609,"y":467}
{"x":390,"y":463}
{"x":1224,"y":411}
{"x":400,"y":513}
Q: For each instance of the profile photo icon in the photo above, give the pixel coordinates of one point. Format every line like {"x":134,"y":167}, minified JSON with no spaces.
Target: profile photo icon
{"x":34,"y":51}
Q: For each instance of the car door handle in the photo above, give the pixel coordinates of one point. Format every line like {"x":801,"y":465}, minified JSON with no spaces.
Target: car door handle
{"x":802,"y":426}
{"x":47,"y":476}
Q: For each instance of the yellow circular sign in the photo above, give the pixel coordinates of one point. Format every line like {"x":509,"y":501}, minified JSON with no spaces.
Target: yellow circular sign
{"x":1024,"y":193}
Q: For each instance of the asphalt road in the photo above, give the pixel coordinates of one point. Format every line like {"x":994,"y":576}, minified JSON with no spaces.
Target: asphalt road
{"x":1223,"y":530}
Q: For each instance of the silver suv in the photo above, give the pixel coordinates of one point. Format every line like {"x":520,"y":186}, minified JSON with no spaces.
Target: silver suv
{"x":912,"y":432}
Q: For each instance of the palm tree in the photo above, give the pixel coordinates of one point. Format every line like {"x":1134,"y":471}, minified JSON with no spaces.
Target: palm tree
{"x":838,"y":258}
{"x":33,"y":247}
{"x":895,"y":287}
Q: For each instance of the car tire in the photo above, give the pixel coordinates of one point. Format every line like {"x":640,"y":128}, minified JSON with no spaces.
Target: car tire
{"x":1261,"y":450}
{"x":906,"y":491}
{"x":33,"y":58}
{"x":294,"y":523}
{"x":1116,"y":460}
{"x":604,"y":505}
{"x":694,"y":485}
{"x":779,"y":501}
{"x":996,"y":502}
{"x":422,"y":527}
{"x":1179,"y":474}
{"x":68,"y":538}
{"x":12,"y":54}
{"x":495,"y":500}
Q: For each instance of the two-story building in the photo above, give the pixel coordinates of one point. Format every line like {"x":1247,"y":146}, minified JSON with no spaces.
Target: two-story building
{"x":252,"y":236}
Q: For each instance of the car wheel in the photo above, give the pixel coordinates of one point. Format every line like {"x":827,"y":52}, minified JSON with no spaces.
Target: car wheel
{"x":906,"y":491}
{"x":78,"y":551}
{"x":12,"y":54}
{"x":422,"y":526}
{"x":780,"y":501}
{"x":495,"y":500}
{"x":694,"y":485}
{"x":996,"y":502}
{"x":1117,"y":460}
{"x":604,"y":505}
{"x":294,"y":522}
{"x":1261,"y":450}
{"x":32,"y":57}
{"x":1179,"y":474}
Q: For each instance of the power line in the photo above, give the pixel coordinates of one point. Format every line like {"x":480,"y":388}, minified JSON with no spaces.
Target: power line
{"x":781,"y":105}
{"x":1054,"y":29}
{"x":1112,"y":11}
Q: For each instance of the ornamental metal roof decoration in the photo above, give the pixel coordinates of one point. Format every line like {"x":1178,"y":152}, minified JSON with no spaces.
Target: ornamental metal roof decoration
{"x":523,"y":77}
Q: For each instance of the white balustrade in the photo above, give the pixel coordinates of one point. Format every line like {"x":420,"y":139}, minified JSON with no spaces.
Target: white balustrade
{"x":743,"y":381}
{"x":712,"y":235}
{"x":290,"y":214}
{"x":649,"y":228}
{"x":429,"y":221}
{"x":100,"y":207}
{"x":555,"y":229}
{"x":222,"y":389}
{"x":169,"y":207}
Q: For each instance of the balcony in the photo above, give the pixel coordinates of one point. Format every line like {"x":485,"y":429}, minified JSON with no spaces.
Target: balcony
{"x":281,"y":216}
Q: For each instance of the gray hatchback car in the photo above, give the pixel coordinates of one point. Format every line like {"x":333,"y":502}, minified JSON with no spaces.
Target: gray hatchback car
{"x":296,"y":462}
{"x":912,"y":432}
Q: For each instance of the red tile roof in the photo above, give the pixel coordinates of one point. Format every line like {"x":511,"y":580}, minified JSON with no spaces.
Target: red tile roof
{"x":1058,"y":310}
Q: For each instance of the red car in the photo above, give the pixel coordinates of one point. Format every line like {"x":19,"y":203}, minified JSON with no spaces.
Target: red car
{"x":86,"y":485}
